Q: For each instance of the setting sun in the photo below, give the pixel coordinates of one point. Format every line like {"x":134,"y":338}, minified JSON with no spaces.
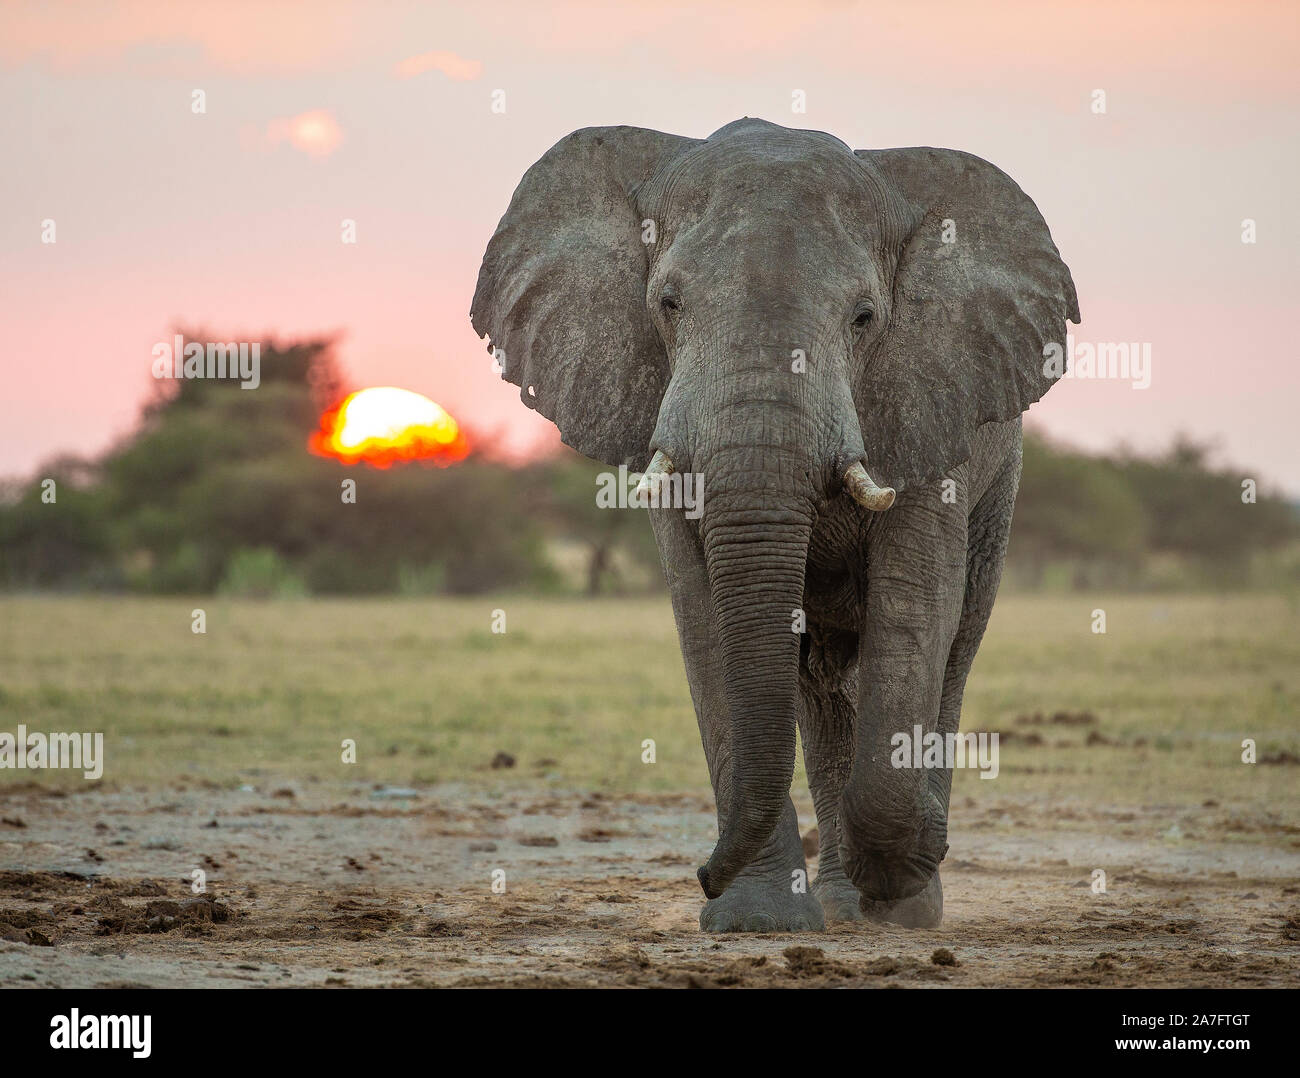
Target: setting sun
{"x":384,"y":424}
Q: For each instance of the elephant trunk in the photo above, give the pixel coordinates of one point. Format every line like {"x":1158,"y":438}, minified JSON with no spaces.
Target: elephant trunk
{"x":756,"y":547}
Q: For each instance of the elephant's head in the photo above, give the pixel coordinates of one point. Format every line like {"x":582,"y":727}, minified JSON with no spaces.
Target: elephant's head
{"x":773,"y":311}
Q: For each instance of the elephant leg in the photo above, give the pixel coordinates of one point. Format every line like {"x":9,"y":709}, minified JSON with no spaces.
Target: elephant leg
{"x":828,"y":697}
{"x":894,"y":827}
{"x":989,"y":530}
{"x":771,"y":894}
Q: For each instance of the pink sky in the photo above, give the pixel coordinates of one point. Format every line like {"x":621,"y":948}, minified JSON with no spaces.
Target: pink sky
{"x":382,"y":113}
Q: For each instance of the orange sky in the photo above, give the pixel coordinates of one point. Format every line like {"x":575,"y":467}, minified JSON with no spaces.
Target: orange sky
{"x":382,"y":113}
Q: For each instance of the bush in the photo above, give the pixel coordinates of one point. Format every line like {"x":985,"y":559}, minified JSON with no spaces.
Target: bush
{"x":427,"y":579}
{"x":332,"y":570}
{"x":185,"y":571}
{"x":260,"y":573}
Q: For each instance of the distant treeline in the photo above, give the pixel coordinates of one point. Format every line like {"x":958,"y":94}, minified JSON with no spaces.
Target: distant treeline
{"x":216,"y":492}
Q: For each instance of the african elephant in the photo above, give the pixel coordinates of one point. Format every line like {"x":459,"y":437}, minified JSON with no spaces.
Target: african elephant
{"x":840,"y":345}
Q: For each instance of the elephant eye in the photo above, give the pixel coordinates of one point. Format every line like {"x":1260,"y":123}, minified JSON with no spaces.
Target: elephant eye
{"x":862,"y":318}
{"x":670,"y":303}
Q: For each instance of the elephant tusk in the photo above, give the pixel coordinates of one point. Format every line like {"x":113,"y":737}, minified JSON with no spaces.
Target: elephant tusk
{"x":659,"y":466}
{"x":865,"y":491}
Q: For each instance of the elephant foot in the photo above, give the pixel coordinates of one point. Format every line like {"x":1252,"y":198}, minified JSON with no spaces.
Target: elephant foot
{"x":839,"y":899}
{"x":922,"y":910}
{"x":762,"y":903}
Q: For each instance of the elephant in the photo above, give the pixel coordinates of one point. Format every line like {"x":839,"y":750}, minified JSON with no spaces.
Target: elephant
{"x":839,"y":344}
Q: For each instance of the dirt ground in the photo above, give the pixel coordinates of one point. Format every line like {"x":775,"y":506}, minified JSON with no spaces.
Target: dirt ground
{"x":391,"y":887}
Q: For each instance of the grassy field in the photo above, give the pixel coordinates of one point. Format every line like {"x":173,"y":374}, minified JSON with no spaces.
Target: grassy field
{"x":431,"y":694}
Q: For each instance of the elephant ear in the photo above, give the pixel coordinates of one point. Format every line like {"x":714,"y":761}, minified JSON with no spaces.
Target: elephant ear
{"x":969,"y":319}
{"x":561,"y":292}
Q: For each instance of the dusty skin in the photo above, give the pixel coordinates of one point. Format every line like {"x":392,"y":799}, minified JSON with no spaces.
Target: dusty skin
{"x":314,"y":885}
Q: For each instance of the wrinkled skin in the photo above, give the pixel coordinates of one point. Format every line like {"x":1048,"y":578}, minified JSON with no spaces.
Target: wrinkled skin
{"x":767,"y":308}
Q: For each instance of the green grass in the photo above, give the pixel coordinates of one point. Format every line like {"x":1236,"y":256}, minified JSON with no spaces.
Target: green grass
{"x":431,"y":694}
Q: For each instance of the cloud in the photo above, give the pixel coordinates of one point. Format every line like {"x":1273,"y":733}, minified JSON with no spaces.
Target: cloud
{"x":160,"y":36}
{"x":316,"y":133}
{"x":456,"y":68}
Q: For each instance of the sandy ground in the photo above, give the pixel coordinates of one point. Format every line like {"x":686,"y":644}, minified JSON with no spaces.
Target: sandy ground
{"x":363,"y":887}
